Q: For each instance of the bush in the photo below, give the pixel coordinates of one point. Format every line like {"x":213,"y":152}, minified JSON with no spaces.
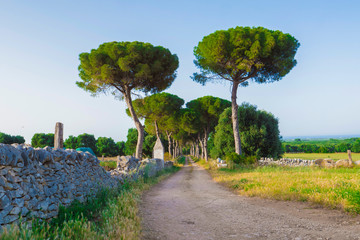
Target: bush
{"x":106,"y":147}
{"x":42,"y":140}
{"x":234,"y":158}
{"x":250,"y":160}
{"x":259,"y":133}
{"x":71,"y":142}
{"x":180,"y":160}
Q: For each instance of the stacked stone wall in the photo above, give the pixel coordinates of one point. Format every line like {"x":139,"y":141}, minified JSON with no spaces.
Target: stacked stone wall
{"x":292,"y":162}
{"x":35,"y":181}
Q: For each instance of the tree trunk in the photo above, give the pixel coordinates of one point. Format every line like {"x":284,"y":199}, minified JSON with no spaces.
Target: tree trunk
{"x":138,"y":125}
{"x":206,"y":135}
{"x":176,"y":148}
{"x":157,"y":130}
{"x":234,"y":117}
{"x":169,"y":140}
{"x":202,"y":146}
{"x":197,"y":149}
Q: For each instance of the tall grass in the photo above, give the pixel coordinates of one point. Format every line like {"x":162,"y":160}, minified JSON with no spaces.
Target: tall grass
{"x":331,"y":188}
{"x":111,"y":214}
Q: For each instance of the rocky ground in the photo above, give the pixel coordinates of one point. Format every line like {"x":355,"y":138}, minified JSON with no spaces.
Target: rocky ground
{"x":190,"y":205}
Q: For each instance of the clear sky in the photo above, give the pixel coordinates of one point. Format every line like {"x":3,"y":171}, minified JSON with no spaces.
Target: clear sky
{"x":40,"y":42}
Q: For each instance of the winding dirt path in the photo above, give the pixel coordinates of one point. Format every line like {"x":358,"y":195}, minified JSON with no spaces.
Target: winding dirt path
{"x":190,"y":205}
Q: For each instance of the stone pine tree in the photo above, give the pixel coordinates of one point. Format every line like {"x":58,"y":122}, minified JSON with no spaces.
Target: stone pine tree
{"x":157,"y":109}
{"x":209,"y":109}
{"x":241,"y":54}
{"x":122,"y":68}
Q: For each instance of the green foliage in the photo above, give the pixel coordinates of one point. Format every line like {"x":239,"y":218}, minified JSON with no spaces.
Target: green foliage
{"x":106,"y":147}
{"x":42,"y":140}
{"x":240,"y":159}
{"x":131,"y":140}
{"x":208,"y":109}
{"x":149,"y":143}
{"x":8,"y":139}
{"x":242,"y":53}
{"x":321,"y":146}
{"x":123,"y":66}
{"x":161,"y":108}
{"x":71,"y":142}
{"x":87,"y":140}
{"x":234,"y":157}
{"x":180,"y":160}
{"x":259,"y":133}
{"x":120,"y":148}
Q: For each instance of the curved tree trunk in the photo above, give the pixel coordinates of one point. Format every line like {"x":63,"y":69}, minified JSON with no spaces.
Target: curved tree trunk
{"x":138,"y":125}
{"x":234,"y":117}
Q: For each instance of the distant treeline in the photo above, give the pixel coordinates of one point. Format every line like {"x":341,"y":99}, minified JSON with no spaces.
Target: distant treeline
{"x":8,"y":139}
{"x":322,"y":146}
{"x":100,"y":146}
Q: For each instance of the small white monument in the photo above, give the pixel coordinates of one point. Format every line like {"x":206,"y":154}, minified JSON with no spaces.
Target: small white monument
{"x":159,"y":151}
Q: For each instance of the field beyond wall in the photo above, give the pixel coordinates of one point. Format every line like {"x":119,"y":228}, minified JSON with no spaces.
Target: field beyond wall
{"x":313,"y":156}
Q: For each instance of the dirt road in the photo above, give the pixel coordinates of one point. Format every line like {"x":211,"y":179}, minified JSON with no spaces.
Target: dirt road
{"x":190,"y":205}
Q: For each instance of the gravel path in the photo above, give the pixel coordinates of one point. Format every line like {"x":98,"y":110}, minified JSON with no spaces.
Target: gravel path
{"x":190,"y":205}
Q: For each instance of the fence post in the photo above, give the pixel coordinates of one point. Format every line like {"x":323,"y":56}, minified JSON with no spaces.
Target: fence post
{"x":59,"y":139}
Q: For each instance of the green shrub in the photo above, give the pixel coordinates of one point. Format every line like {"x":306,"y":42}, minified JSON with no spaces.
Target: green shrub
{"x":42,"y":140}
{"x":180,"y":160}
{"x":250,"y":160}
{"x":260,"y":134}
{"x":234,"y":157}
{"x":106,"y":147}
{"x":240,"y":159}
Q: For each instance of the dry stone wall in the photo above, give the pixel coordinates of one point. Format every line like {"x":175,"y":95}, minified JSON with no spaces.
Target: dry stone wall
{"x":327,"y":163}
{"x":35,"y":181}
{"x":285,"y":162}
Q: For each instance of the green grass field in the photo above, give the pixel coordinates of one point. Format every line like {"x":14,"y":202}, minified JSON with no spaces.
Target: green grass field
{"x":313,"y":156}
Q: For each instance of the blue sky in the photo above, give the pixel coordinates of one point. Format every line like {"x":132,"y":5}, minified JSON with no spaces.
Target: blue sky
{"x":40,"y":42}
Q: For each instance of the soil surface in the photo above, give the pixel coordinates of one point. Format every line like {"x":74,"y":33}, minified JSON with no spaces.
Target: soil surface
{"x":190,"y":205}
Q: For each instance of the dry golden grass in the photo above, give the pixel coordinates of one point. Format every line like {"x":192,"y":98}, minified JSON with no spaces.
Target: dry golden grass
{"x":332,"y":188}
